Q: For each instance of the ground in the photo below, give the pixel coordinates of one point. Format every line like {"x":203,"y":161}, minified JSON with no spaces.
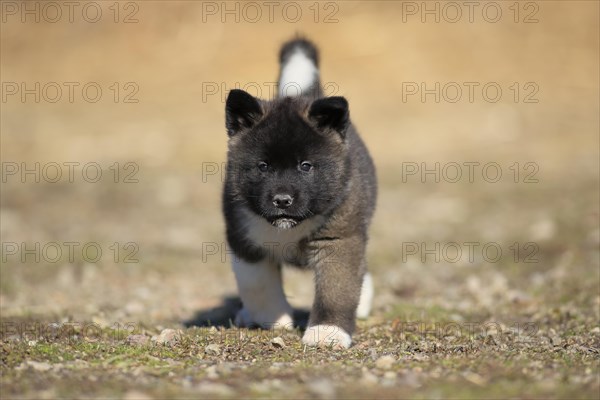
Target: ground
{"x":119,"y":285}
{"x":439,"y":329}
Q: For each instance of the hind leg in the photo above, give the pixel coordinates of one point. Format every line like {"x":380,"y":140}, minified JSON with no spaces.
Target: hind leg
{"x":366,"y":297}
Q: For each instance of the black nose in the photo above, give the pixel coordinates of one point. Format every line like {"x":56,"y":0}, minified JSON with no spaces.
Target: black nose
{"x":282,"y":200}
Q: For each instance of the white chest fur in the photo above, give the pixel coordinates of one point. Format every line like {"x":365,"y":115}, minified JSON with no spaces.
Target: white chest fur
{"x":278,"y":240}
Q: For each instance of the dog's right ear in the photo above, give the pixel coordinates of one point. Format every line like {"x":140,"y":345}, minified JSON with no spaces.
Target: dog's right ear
{"x":242,"y":112}
{"x":330,"y":113}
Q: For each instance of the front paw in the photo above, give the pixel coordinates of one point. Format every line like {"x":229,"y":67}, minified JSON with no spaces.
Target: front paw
{"x":327,"y":336}
{"x":246,"y":319}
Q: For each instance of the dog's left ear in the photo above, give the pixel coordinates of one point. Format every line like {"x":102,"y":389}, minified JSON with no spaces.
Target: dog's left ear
{"x":242,"y":112}
{"x":330,"y":113}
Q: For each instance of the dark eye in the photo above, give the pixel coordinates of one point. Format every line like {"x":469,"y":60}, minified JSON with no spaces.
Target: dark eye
{"x":305,"y":166}
{"x":263,"y":166}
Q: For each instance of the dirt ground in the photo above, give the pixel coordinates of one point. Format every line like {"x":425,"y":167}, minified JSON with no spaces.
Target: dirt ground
{"x":485,"y":247}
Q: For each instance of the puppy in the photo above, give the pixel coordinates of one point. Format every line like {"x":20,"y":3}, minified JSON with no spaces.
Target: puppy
{"x":300,"y":189}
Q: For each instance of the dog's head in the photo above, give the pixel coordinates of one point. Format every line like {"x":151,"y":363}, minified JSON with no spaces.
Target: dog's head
{"x":287,"y":159}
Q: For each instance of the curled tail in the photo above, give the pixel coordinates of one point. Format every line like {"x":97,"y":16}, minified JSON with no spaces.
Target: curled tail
{"x":299,"y":69}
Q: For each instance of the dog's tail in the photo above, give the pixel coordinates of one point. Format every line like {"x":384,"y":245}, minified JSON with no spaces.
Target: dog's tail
{"x":299,"y":69}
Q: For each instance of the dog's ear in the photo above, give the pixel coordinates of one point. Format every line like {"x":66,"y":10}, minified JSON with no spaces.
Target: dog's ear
{"x":242,"y":112}
{"x":330,"y":113}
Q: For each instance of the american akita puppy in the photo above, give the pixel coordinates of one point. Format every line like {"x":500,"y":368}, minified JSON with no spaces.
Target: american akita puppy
{"x":301,"y":189}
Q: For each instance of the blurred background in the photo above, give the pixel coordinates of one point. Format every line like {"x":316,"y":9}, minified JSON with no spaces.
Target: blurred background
{"x":137,"y":92}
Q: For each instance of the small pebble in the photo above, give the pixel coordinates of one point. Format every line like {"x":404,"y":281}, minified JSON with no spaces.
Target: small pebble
{"x":385,"y":362}
{"x":213,"y":349}
{"x":168,"y":336}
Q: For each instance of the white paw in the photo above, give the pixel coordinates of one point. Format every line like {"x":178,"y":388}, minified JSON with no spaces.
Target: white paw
{"x":327,"y":336}
{"x":245,"y":319}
